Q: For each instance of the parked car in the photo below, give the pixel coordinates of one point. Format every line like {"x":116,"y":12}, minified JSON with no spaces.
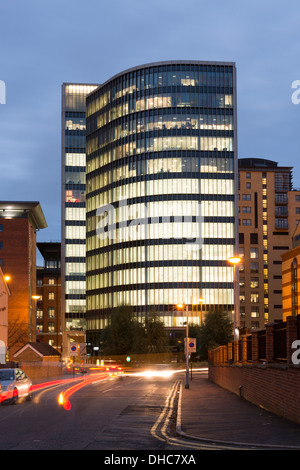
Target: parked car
{"x":15,"y":384}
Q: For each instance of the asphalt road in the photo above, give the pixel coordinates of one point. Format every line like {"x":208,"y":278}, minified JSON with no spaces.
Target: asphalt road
{"x":128,"y":413}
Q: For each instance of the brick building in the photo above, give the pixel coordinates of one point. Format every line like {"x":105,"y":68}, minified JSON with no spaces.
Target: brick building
{"x":269,"y":211}
{"x":48,"y":320}
{"x":19,"y":223}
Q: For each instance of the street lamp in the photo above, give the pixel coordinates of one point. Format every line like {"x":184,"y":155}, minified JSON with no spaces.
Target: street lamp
{"x":235,"y":260}
{"x":180,"y":306}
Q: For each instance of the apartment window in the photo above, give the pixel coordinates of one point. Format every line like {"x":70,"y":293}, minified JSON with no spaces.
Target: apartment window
{"x":248,"y":176}
{"x":254,"y":312}
{"x":1,"y":245}
{"x":51,"y":312}
{"x":246,"y":222}
{"x":246,"y":197}
{"x":254,"y":238}
{"x":246,"y":210}
{"x":297,"y":197}
{"x":254,"y":298}
{"x":254,"y":282}
{"x":294,"y":286}
{"x":241,"y":238}
{"x":39,"y":314}
{"x":242,"y":298}
{"x":253,"y":252}
{"x":242,"y":282}
{"x":1,"y":227}
{"x":51,"y":296}
{"x":281,"y":223}
{"x":297,"y":210}
{"x":248,"y":185}
{"x":254,"y":267}
{"x":51,"y":281}
{"x":51,"y":327}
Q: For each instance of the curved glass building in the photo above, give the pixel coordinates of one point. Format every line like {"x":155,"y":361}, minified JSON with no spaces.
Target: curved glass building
{"x":160,"y":191}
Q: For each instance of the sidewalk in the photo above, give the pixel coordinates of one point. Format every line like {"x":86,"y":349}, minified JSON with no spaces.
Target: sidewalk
{"x":208,"y":411}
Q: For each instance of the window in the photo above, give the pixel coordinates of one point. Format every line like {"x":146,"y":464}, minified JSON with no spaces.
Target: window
{"x":254,"y":298}
{"x":1,"y":245}
{"x":39,"y":314}
{"x":297,"y":197}
{"x":51,"y":296}
{"x":248,"y":185}
{"x":254,"y":238}
{"x":254,"y":312}
{"x":254,"y":282}
{"x":248,"y":175}
{"x":246,"y":197}
{"x":51,"y":312}
{"x":51,"y":281}
{"x":294,"y":286}
{"x":1,"y":227}
{"x":253,"y":252}
{"x":246,"y":222}
{"x":246,"y":210}
{"x":254,"y":267}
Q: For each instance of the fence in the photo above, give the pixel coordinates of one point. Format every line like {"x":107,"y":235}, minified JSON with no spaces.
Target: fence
{"x":273,"y":344}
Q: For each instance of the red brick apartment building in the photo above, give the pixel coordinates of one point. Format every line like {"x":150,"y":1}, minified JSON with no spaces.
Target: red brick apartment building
{"x":49,"y":292}
{"x":19,"y":223}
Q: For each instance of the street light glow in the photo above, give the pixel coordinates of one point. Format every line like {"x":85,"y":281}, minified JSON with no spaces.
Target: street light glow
{"x":234,"y":260}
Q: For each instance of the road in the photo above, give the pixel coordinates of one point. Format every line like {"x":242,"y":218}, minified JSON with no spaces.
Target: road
{"x":120,"y":413}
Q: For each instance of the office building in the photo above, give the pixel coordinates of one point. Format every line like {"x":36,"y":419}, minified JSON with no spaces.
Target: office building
{"x":160,"y":195}
{"x":73,"y":210}
{"x":19,"y":223}
{"x":48,"y":314}
{"x":269,"y":210}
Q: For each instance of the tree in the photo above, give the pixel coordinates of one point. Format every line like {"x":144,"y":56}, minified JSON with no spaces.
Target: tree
{"x":215,"y":331}
{"x":156,"y":335}
{"x":124,"y":335}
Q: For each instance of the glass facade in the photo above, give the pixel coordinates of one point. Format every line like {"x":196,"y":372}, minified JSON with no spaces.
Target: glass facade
{"x":160,"y":191}
{"x":73,"y":204}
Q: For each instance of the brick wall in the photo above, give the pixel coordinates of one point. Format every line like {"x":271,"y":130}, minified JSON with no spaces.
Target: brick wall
{"x":275,"y":387}
{"x":257,"y":374}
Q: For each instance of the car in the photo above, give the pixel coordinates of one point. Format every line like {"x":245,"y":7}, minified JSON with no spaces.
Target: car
{"x":15,"y":384}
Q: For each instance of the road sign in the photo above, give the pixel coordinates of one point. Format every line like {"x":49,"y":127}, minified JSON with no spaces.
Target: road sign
{"x":73,"y":349}
{"x":191,"y":345}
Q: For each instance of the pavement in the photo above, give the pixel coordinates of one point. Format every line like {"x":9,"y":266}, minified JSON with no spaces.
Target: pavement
{"x":206,"y":411}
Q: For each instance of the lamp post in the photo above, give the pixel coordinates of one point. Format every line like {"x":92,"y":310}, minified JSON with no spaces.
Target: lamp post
{"x":186,"y":344}
{"x":234,"y":260}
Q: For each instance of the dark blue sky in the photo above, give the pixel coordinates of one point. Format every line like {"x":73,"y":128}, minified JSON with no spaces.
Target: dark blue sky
{"x":45,"y":43}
